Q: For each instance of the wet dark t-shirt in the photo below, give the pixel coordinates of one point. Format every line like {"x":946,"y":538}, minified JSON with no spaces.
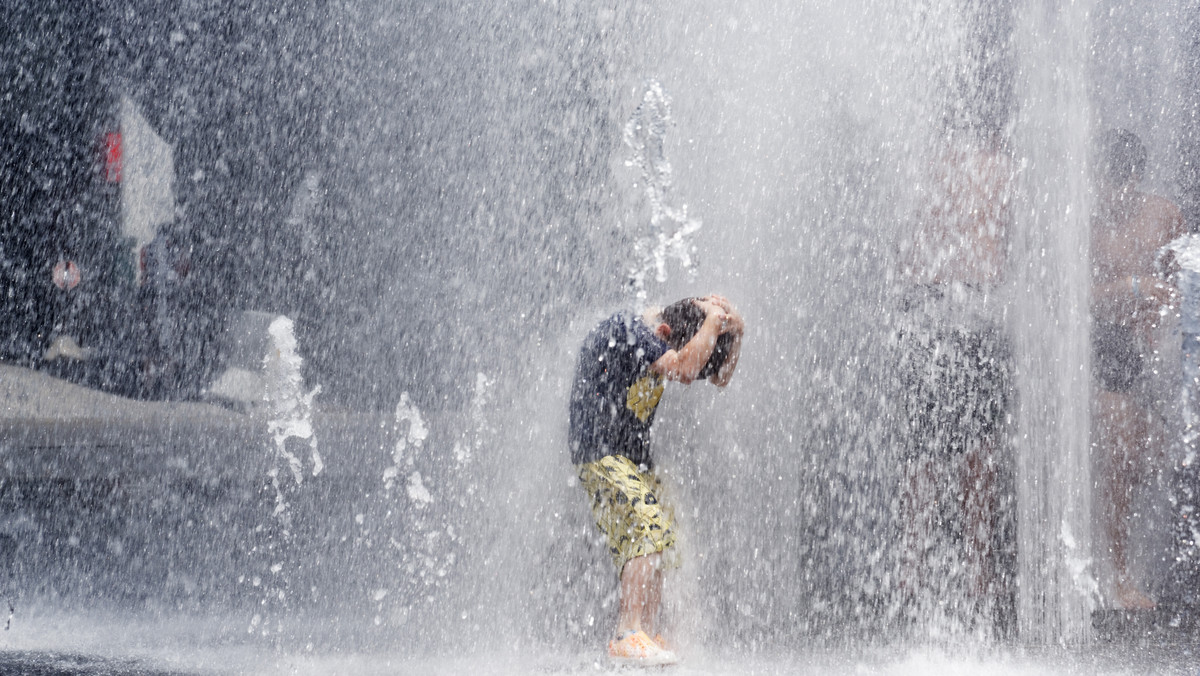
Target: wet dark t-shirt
{"x":615,"y":394}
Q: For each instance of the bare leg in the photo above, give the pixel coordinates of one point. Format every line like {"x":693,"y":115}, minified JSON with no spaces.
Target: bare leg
{"x":650,"y":609}
{"x":978,"y":500}
{"x":1123,"y":436}
{"x":641,"y":594}
{"x":917,"y":510}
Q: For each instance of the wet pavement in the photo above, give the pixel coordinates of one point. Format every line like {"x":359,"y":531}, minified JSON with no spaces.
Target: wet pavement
{"x":35,"y":663}
{"x":146,"y":477}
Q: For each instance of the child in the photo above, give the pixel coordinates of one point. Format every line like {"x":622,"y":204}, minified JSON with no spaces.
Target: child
{"x":618,"y":384}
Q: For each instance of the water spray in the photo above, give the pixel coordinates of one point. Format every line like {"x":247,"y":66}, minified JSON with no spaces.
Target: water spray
{"x":290,"y":409}
{"x":670,"y":231}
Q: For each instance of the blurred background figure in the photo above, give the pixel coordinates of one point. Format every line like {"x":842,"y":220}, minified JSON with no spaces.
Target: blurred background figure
{"x":955,"y":364}
{"x":1131,"y":290}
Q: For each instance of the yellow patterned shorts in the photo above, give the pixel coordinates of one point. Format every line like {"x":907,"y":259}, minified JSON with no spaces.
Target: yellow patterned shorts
{"x":626,"y":508}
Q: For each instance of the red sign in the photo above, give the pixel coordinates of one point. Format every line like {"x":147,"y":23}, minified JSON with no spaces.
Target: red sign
{"x":66,"y":275}
{"x":112,"y":157}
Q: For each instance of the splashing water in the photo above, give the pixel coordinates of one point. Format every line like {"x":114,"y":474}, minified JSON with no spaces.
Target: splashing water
{"x":421,"y":532}
{"x":290,"y":411}
{"x":408,"y":417}
{"x":289,"y":406}
{"x":441,"y":249}
{"x":670,"y":231}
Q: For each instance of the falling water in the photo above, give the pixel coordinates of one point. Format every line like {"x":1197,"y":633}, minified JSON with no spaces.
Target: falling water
{"x":1053,"y":134}
{"x":498,"y":178}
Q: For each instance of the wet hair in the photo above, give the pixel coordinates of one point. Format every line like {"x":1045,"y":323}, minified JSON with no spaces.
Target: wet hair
{"x":1121,"y":156}
{"x":719,"y":354}
{"x":685,"y":317}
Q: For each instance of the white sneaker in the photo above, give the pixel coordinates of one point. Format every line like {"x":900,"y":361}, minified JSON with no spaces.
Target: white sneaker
{"x":635,"y":648}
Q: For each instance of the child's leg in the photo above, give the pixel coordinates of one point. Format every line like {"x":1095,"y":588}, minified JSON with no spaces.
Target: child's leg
{"x":638,"y":529}
{"x":641,"y":594}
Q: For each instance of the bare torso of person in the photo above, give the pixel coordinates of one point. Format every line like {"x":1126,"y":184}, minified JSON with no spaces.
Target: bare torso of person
{"x":962,"y":233}
{"x":1127,"y":235}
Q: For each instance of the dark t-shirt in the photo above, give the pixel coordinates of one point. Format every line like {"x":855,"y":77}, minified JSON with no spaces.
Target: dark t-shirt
{"x":615,"y":394}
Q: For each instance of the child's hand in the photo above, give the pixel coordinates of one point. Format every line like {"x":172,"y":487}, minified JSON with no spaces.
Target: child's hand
{"x":733,"y":320}
{"x":712,"y":309}
{"x":720,"y":301}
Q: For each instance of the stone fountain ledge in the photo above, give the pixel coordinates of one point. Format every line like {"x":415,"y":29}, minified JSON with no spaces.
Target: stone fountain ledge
{"x":51,"y":428}
{"x":29,"y":397}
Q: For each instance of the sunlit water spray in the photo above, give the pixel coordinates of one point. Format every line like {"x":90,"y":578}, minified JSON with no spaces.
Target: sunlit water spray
{"x":423,"y":542}
{"x":804,"y":128}
{"x":289,"y":408}
{"x":670,"y":232}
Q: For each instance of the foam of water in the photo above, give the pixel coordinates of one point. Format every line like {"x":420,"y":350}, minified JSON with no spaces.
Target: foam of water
{"x":290,"y":407}
{"x":89,"y":642}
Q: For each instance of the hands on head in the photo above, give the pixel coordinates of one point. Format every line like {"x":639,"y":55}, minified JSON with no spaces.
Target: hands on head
{"x":715,"y":304}
{"x":685,"y":362}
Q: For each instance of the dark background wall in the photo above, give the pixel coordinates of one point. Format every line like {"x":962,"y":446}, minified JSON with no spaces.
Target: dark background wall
{"x":454,"y":160}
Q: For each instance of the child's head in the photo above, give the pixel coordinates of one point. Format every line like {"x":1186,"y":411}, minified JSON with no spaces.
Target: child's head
{"x":683,"y":318}
{"x":1121,"y":157}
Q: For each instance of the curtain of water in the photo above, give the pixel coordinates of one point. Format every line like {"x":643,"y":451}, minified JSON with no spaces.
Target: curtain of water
{"x":1051,"y":136}
{"x":800,"y":135}
{"x":803,"y":136}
